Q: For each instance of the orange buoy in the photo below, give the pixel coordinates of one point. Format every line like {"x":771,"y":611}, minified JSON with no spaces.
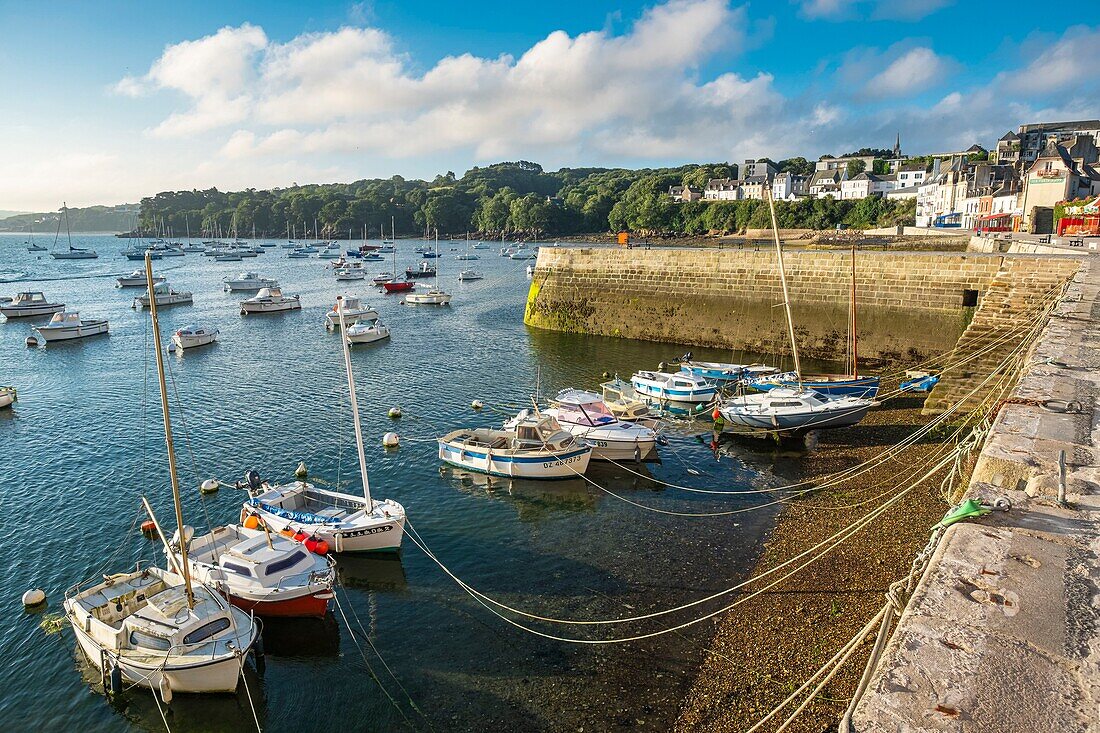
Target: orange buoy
{"x":311,"y":544}
{"x":322,"y":547}
{"x":252,"y":522}
{"x":716,"y":414}
{"x":287,"y":532}
{"x":148,"y":527}
{"x":300,"y":536}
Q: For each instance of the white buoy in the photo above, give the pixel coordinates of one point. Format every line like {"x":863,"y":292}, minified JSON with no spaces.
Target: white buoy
{"x":390,"y":440}
{"x":395,"y":412}
{"x":165,"y":689}
{"x":477,"y":404}
{"x":34,"y":597}
{"x":209,"y":486}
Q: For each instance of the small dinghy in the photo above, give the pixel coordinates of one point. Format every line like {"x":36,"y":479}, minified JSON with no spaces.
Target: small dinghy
{"x":8,"y":396}
{"x":794,"y":410}
{"x":270,"y":300}
{"x":584,"y":415}
{"x":365,"y":332}
{"x":248,"y":282}
{"x":675,"y":387}
{"x":165,"y":296}
{"x":267,"y":573}
{"x":190,"y":337}
{"x":136,"y":279}
{"x":530,"y":446}
{"x":29,"y":305}
{"x":68,"y":325}
{"x":355,"y":310}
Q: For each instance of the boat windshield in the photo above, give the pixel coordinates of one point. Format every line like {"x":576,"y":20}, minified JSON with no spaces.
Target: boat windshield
{"x":590,"y":413}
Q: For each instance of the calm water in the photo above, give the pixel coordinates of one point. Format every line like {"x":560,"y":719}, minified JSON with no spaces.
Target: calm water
{"x":85,"y":441}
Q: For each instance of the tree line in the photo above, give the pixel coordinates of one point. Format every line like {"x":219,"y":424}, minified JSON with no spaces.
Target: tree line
{"x":517,"y":198}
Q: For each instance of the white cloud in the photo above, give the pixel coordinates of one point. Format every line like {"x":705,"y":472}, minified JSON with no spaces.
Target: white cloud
{"x":1071,"y":61}
{"x":836,"y":10}
{"x":911,"y":73}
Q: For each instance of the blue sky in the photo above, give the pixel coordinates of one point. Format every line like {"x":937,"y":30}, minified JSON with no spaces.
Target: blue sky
{"x":108,"y":102}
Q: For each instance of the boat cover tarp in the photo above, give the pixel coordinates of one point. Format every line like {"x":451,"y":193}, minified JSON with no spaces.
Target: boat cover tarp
{"x":302,"y":517}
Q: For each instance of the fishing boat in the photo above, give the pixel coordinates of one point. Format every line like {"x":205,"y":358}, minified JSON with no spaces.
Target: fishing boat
{"x":792,"y":409}
{"x":531,"y":445}
{"x":165,"y":296}
{"x":30,"y":304}
{"x":68,"y":325}
{"x":584,"y":415}
{"x":673,"y":386}
{"x":259,"y":571}
{"x":248,"y":281}
{"x":424,"y":270}
{"x":270,"y":300}
{"x":152,"y":627}
{"x":623,"y":401}
{"x":190,"y":337}
{"x":354,"y":311}
{"x":347,"y":523}
{"x":367,"y":332}
{"x":8,"y":396}
{"x":468,"y":275}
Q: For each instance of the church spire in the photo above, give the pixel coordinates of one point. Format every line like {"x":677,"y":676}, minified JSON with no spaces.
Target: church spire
{"x":897,"y":146}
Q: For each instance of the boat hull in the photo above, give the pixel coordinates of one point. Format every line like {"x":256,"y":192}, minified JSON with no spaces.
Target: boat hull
{"x":35,"y":311}
{"x":866,"y":387}
{"x":427,"y":299}
{"x":69,"y":333}
{"x":291,"y":305}
{"x":310,"y":604}
{"x":380,"y":537}
{"x":567,"y":464}
{"x":397,"y":287}
{"x":655,"y":391}
{"x":794,"y":422}
{"x":193,"y":342}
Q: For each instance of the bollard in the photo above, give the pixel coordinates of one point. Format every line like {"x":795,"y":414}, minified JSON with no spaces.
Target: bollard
{"x":1061,"y":478}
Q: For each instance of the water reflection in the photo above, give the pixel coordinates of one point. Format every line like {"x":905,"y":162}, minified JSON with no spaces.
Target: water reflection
{"x":302,"y":637}
{"x":371,"y":572}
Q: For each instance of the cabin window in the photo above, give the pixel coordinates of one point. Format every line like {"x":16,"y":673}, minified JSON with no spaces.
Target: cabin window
{"x":286,"y":562}
{"x":205,"y":631}
{"x":238,"y":569}
{"x":148,"y":641}
{"x":527,"y":433}
{"x":970,"y":298}
{"x":786,"y":404}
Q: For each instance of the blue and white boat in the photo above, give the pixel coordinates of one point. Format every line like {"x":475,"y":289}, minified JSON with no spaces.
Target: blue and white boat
{"x":529,"y":446}
{"x":724,"y":372}
{"x":830,"y":385}
{"x":795,"y":410}
{"x":675,"y":387}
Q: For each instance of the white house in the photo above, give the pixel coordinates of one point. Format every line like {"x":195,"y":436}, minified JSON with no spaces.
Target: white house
{"x":722,"y":189}
{"x":788,"y":186}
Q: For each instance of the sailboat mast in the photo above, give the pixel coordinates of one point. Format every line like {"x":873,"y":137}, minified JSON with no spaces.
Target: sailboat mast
{"x":783,"y":281}
{"x":855,"y":347}
{"x":354,"y":404}
{"x":159,"y":350}
{"x":68,"y":233}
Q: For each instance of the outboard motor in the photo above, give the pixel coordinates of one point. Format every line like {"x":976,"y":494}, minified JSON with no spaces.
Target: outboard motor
{"x":252,"y":478}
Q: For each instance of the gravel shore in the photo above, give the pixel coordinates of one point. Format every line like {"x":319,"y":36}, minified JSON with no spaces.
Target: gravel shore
{"x":767,"y":647}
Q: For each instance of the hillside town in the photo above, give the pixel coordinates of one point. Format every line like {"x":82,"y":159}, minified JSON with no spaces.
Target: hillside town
{"x":1044,"y":178}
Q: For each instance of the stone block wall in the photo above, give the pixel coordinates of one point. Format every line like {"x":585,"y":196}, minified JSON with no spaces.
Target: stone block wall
{"x":911,"y":304}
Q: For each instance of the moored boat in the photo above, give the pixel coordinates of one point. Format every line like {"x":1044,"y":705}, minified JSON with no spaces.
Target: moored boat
{"x":68,"y":325}
{"x":190,"y":337}
{"x":30,"y":304}
{"x":833,"y":385}
{"x":270,"y":300}
{"x":675,"y":387}
{"x":432,"y":296}
{"x":530,"y":445}
{"x":469,"y":275}
{"x":135,"y":279}
{"x":8,"y":396}
{"x":355,"y":310}
{"x":623,"y":401}
{"x":367,"y":332}
{"x":165,"y":296}
{"x":398,"y":286}
{"x":248,"y":281}
{"x":584,"y":415}
{"x":424,"y":270}
{"x":794,"y":410}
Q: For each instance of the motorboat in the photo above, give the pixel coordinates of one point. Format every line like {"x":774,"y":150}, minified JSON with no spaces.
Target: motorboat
{"x":383,"y":277}
{"x":480,"y":245}
{"x":165,"y":296}
{"x":432,"y":296}
{"x":524,"y":254}
{"x":366,"y":332}
{"x":30,"y":304}
{"x":266,"y":573}
{"x":146,"y":625}
{"x":623,"y":401}
{"x":270,"y":300}
{"x":372,"y":256}
{"x":832,"y":385}
{"x":467,"y":275}
{"x":354,"y":311}
{"x":344,"y":521}
{"x":429,"y":254}
{"x":136,"y":279}
{"x":68,"y":325}
{"x":74,"y":253}
{"x":190,"y":337}
{"x":724,"y":372}
{"x":299,"y":254}
{"x":794,"y":410}
{"x":350,"y":272}
{"x":248,"y":281}
{"x":386,"y":249}
{"x":8,"y":396}
{"x":193,"y":248}
{"x":584,"y":415}
{"x":229,"y":257}
{"x":531,"y":445}
{"x":424,"y":270}
{"x":675,"y":387}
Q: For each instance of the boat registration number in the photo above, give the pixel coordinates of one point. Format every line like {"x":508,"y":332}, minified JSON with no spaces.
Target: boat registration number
{"x":369,"y":530}
{"x":562,"y":462}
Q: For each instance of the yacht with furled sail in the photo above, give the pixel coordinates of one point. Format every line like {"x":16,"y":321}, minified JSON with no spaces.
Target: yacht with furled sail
{"x":796,"y":409}
{"x":156,"y":628}
{"x":434,"y":295}
{"x":72,"y":253}
{"x":347,"y":523}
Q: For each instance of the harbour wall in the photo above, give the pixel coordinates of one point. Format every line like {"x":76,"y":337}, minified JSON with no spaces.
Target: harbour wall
{"x":911,"y":305}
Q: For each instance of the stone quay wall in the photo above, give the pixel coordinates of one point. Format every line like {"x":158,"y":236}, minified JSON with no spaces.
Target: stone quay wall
{"x":911,"y":305}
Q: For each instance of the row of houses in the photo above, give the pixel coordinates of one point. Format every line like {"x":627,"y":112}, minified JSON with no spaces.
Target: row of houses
{"x":1035,"y":167}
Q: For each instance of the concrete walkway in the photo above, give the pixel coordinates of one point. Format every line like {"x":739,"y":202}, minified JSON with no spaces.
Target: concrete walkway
{"x":1003,"y":631}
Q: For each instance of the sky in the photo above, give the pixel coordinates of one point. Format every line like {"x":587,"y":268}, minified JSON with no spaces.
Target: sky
{"x":107,"y":102}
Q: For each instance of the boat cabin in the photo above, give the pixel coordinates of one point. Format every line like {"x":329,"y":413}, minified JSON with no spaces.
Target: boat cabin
{"x":583,"y":408}
{"x":30,"y":298}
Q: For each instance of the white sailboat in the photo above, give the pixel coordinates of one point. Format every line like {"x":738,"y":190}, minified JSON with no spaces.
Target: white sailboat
{"x":152,"y":627}
{"x":347,"y":523}
{"x":72,"y":253}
